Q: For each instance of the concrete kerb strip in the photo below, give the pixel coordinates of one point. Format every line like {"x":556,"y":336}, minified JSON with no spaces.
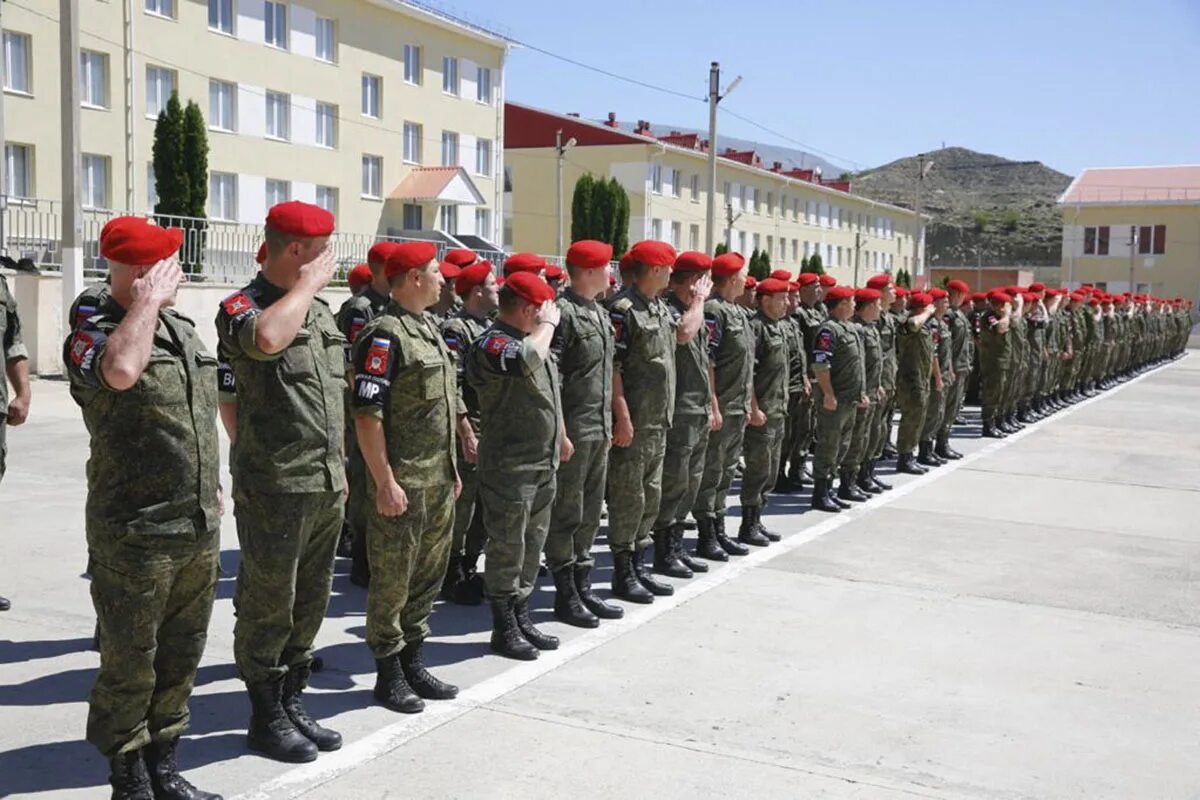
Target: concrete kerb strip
{"x":329,"y":766}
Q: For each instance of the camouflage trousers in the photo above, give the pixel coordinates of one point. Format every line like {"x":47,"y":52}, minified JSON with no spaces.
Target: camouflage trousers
{"x":883,"y":434}
{"x":805,"y":428}
{"x":763,"y":448}
{"x":153,"y":602}
{"x":575,"y":517}
{"x":993,"y":379}
{"x":865,"y":436}
{"x":516,"y":515}
{"x":792,"y":430}
{"x":956,"y":395}
{"x":683,"y":468}
{"x":288,"y":543}
{"x":913,"y":402}
{"x":3,"y":446}
{"x":720,"y":462}
{"x":834,"y":429}
{"x":935,"y":409}
{"x":635,"y":490}
{"x":469,"y":534}
{"x":357,"y":480}
{"x":408,"y":556}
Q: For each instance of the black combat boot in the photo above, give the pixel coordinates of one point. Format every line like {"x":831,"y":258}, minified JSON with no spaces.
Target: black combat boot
{"x":706,"y":541}
{"x":271,"y":731}
{"x":906,"y":464}
{"x":583,"y":583}
{"x":784,"y":484}
{"x":625,"y":583}
{"x":463,"y":585}
{"x":863,"y":479}
{"x":847,"y":490}
{"x":747,"y":532}
{"x":890,"y":451}
{"x":820,"y":497}
{"x":728,"y":545}
{"x":886,"y":487}
{"x":761,"y":526}
{"x":796,"y":474}
{"x":694,"y":564}
{"x":128,"y":776}
{"x":419,"y":678}
{"x":507,"y":639}
{"x":345,"y":545}
{"x":5,"y":605}
{"x":542,"y":641}
{"x":293,"y":684}
{"x":831,"y":493}
{"x":164,"y":774}
{"x":392,"y":689}
{"x":568,"y":606}
{"x":990,"y":431}
{"x":925,"y":455}
{"x":654,"y":587}
{"x":665,"y":560}
{"x":944,"y":451}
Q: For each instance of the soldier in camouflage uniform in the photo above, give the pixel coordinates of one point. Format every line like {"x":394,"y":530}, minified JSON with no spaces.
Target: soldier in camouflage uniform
{"x":731,"y":354}
{"x":687,"y":440}
{"x":511,"y":370}
{"x":351,"y":318}
{"x":995,"y":359}
{"x":797,"y":383}
{"x":856,"y":467}
{"x":16,"y":368}
{"x":477,"y":287}
{"x":915,"y":373}
{"x":888,"y":326}
{"x":941,"y":380}
{"x":1019,"y":331}
{"x":148,"y":392}
{"x":809,"y":315}
{"x":289,"y":477}
{"x":839,"y":393}
{"x":768,"y":409}
{"x":406,"y":406}
{"x":583,"y":347}
{"x":961,"y":345}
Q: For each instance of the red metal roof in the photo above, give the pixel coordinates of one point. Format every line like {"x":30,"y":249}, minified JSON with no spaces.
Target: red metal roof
{"x":529,"y":127}
{"x":1130,"y":185}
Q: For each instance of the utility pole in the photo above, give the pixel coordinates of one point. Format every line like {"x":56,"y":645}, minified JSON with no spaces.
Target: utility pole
{"x":560,"y":151}
{"x":729,"y":220}
{"x":71,"y":160}
{"x":857,"y":249}
{"x":1133,"y":246}
{"x":923,"y":168}
{"x":3,"y":152}
{"x":714,"y":97}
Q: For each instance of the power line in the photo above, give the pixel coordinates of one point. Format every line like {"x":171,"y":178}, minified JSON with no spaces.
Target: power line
{"x":784,"y":136}
{"x":608,"y":73}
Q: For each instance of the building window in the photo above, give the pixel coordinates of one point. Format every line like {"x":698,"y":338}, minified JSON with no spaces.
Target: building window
{"x":725,"y":191}
{"x":413,"y":217}
{"x":372,"y":176}
{"x":163,"y":8}
{"x":275,"y":19}
{"x":676,"y":182}
{"x":412,"y":143}
{"x":1152,"y":240}
{"x":220,"y":16}
{"x":160,"y":83}
{"x":742,"y":196}
{"x":693,"y":237}
{"x":16,"y":62}
{"x":278,"y":192}
{"x":93,"y":78}
{"x":796,"y":249}
{"x":483,"y":157}
{"x":838,"y":263}
{"x":676,"y":235}
{"x":449,"y":149}
{"x":1095,"y":241}
{"x":326,"y":125}
{"x":770,"y":204}
{"x":695,"y":188}
{"x":742,"y":242}
{"x":656,"y":182}
{"x":796,"y":210}
{"x":18,"y":170}
{"x":151,"y":188}
{"x":448,"y":219}
{"x":279,"y":115}
{"x":222,"y":196}
{"x":372,"y":91}
{"x":327,"y":198}
{"x":222,"y":99}
{"x":656,"y":229}
{"x":326,"y":40}
{"x":95,"y":181}
{"x":753,"y":207}
{"x":757,"y":240}
{"x":828,"y":254}
{"x":810,"y":212}
{"x":450,"y":75}
{"x":483,"y":85}
{"x":483,"y":223}
{"x":412,"y":64}
{"x":782,"y":249}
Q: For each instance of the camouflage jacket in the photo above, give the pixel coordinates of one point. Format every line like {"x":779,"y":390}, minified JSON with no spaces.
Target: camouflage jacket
{"x":459,"y":331}
{"x":644,"y":332}
{"x":770,"y":365}
{"x":839,"y":349}
{"x":692,"y":397}
{"x":10,"y":336}
{"x":583,"y":347}
{"x":872,"y":350}
{"x":355,"y":313}
{"x":731,"y":353}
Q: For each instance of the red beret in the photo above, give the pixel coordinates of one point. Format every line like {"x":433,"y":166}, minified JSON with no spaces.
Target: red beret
{"x":793,"y":286}
{"x":918,"y":300}
{"x":529,"y":287}
{"x":589,"y":254}
{"x":827,"y":280}
{"x":651,"y":253}
{"x":999,"y":296}
{"x":958,"y":286}
{"x":449,"y":271}
{"x":1095,"y":301}
{"x":524,"y":262}
{"x":472,"y":276}
{"x":807,"y":278}
{"x":379,"y":252}
{"x":300,"y":219}
{"x":751,"y":282}
{"x":137,"y":242}
{"x":880,"y":281}
{"x":359,"y":277}
{"x":407,"y":256}
{"x":728,"y":264}
{"x":782,"y":274}
{"x":261,"y":256}
{"x":866,"y":295}
{"x":691,"y":261}
{"x":901,"y":292}
{"x":1037,"y":287}
{"x":979,"y":296}
{"x":839,"y":293}
{"x":1077,"y":297}
{"x":461,"y":257}
{"x":554,"y":272}
{"x":771,"y":286}
{"x":938,"y":293}
{"x":1029,"y":297}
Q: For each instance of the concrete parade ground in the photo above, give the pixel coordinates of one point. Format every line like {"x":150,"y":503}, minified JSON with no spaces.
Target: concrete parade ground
{"x":1023,"y":623}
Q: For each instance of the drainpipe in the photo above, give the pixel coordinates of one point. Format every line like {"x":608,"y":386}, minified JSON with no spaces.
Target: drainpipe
{"x":498,"y":177}
{"x":130,"y":151}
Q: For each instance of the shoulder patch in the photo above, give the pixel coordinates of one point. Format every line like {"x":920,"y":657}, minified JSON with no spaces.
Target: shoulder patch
{"x":237,"y":303}
{"x":378,"y":356}
{"x":622,"y":305}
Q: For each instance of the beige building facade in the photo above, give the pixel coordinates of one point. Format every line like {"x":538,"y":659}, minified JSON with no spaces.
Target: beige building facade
{"x":788,"y":214}
{"x":388,"y":115}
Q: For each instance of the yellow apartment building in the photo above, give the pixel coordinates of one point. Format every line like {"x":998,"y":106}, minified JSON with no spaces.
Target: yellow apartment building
{"x":1138,"y":225}
{"x":386,"y":113}
{"x":790,"y":214}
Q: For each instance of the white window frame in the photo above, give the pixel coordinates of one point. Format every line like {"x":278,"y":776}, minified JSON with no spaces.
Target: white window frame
{"x":214,"y":19}
{"x":656,"y":178}
{"x":483,"y":222}
{"x":416,"y":211}
{"x":275,"y":121}
{"x":155,"y":8}
{"x":450,"y":151}
{"x":413,"y":131}
{"x":151,"y":188}
{"x":326,"y":33}
{"x":327,"y":198}
{"x":273,"y":11}
{"x":412,"y":64}
{"x":26,"y":42}
{"x":326,"y":125}
{"x":448,"y":219}
{"x":89,"y":62}
{"x":217,"y":209}
{"x":656,"y":229}
{"x":372,"y":96}
{"x":483,"y":86}
{"x":693,"y":237}
{"x":483,"y":157}
{"x":372,"y":177}
{"x":154,"y":78}
{"x":215,"y":88}
{"x":87,"y":178}
{"x":10,"y":170}
{"x":676,"y":234}
{"x":676,"y":181}
{"x":451,"y":82}
{"x":753,"y":207}
{"x":695,"y":187}
{"x":275,"y":197}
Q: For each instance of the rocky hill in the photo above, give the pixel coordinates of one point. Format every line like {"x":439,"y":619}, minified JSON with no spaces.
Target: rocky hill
{"x":978,"y":201}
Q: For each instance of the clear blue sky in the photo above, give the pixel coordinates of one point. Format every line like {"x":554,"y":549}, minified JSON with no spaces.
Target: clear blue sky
{"x":1071,"y":83}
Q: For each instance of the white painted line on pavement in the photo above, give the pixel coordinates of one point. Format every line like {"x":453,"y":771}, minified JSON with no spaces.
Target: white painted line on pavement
{"x":329,"y":766}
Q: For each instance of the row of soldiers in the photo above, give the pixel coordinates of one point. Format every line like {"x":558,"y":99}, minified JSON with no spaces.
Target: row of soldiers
{"x":502,"y":426}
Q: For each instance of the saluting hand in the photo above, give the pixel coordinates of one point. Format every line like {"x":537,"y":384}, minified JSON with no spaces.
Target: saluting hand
{"x":159,"y":283}
{"x":319,"y":272}
{"x":390,"y":500}
{"x":548,"y":313}
{"x":701,"y":289}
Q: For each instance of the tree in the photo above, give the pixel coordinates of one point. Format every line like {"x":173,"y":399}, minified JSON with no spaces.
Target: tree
{"x":720,"y":250}
{"x":1012,"y":219}
{"x":814,"y":265}
{"x":981,"y":221}
{"x":581,"y":208}
{"x":195,"y":160}
{"x":620,"y":228}
{"x":903,"y":278}
{"x":758,"y":269}
{"x":600,"y":210}
{"x":765,"y":260}
{"x":171,"y":179}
